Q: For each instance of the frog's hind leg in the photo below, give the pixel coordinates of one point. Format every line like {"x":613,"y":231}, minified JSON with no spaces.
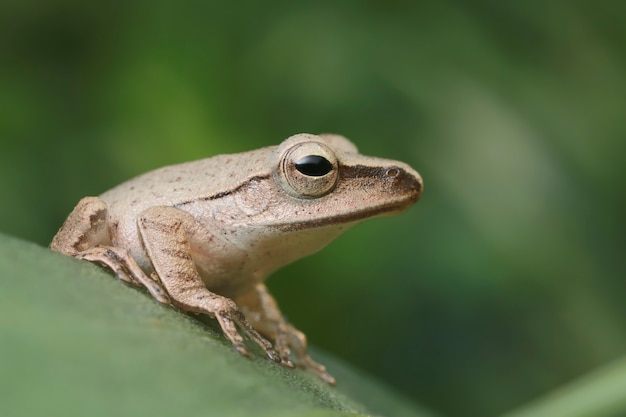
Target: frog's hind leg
{"x":85,"y":235}
{"x":84,"y":228}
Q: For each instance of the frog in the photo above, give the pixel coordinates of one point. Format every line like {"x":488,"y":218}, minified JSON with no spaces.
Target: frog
{"x":203,"y":236}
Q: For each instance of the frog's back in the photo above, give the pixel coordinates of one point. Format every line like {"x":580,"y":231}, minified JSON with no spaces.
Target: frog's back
{"x":176,"y":184}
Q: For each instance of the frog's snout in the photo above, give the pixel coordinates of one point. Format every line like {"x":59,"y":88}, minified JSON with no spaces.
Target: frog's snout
{"x":405,"y":180}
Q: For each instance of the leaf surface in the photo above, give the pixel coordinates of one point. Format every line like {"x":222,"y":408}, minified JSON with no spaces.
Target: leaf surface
{"x":74,"y":341}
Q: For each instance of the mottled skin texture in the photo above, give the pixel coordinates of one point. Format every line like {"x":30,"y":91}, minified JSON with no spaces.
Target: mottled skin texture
{"x":204,"y":235}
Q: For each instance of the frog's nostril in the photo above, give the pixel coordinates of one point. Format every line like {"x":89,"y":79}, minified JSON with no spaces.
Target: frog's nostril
{"x":393,"y":172}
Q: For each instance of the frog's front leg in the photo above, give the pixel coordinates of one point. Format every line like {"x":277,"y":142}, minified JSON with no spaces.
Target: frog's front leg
{"x":167,"y":234}
{"x":263,"y":313}
{"x":85,"y":235}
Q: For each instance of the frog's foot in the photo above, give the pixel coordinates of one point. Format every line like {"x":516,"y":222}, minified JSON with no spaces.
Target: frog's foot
{"x":281,"y":345}
{"x":297,"y":341}
{"x":125,"y":268}
{"x":228,"y":315}
{"x":264,"y":314}
{"x":229,"y":318}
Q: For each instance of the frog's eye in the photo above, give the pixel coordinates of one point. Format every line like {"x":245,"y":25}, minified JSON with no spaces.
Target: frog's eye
{"x":308,"y":170}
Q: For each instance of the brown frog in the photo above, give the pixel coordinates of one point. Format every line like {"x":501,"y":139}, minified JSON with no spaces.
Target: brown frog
{"x":204,"y":235}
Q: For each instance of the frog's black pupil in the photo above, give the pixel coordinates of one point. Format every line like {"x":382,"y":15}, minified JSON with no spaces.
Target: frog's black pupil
{"x":314,"y":165}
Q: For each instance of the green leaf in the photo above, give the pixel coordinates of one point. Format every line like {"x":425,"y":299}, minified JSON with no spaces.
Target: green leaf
{"x":74,"y":341}
{"x":601,"y":393}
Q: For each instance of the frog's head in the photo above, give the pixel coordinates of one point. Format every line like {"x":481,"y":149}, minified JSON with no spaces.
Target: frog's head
{"x":316,"y":188}
{"x":327,"y":182}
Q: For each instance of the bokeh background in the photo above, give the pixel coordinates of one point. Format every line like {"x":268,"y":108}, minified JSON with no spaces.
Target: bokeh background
{"x":504,"y":282}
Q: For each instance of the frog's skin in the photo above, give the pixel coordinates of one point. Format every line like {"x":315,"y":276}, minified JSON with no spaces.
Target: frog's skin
{"x":204,"y":235}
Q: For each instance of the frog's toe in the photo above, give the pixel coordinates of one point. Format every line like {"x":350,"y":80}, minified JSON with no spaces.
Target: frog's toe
{"x":281,"y":346}
{"x":159,"y":294}
{"x":288,"y":363}
{"x":241,"y":350}
{"x":273,"y":356}
{"x":318,"y":369}
{"x":327,"y":378}
{"x":238,"y":317}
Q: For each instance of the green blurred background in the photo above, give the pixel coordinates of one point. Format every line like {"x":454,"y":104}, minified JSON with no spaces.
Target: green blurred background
{"x":505,"y":281}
